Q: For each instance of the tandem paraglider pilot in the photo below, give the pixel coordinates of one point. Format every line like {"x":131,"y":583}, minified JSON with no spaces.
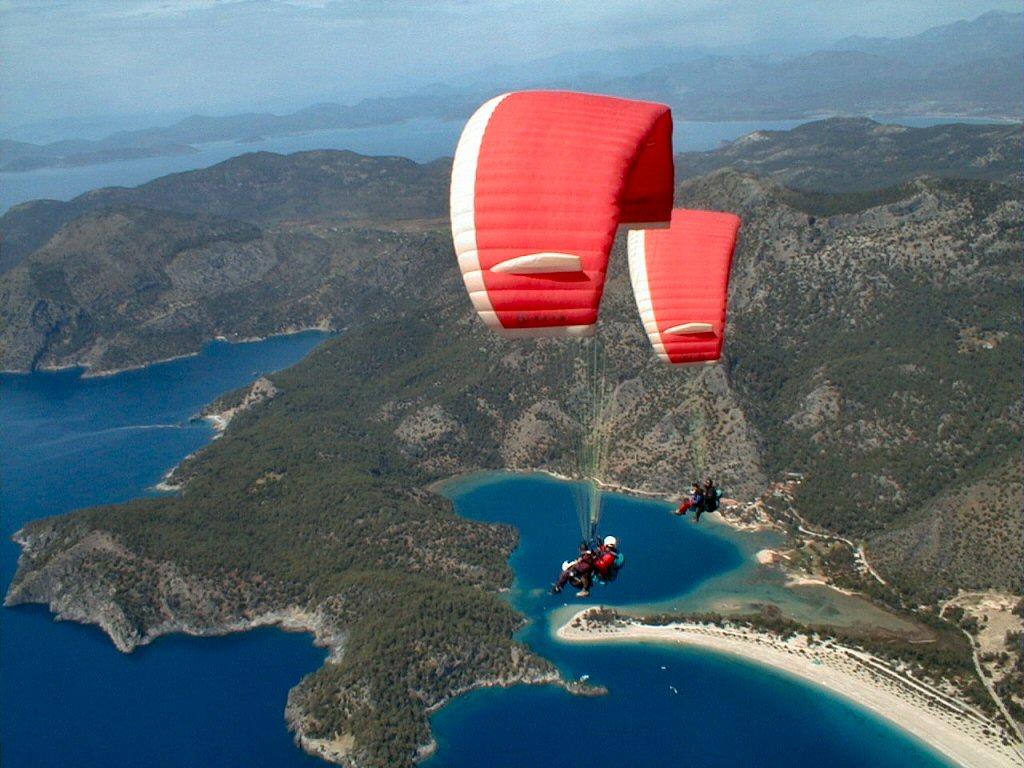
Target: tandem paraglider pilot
{"x":601,"y":564}
{"x":711,"y":498}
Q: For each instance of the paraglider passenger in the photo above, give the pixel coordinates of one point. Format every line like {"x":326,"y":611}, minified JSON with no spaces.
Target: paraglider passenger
{"x":609,"y":559}
{"x":579,"y":573}
{"x":696,"y":497}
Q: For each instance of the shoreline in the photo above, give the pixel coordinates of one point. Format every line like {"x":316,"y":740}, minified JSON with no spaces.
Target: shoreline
{"x":87,"y":371}
{"x":946,"y":725}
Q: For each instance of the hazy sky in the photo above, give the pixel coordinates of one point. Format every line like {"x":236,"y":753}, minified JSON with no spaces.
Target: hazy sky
{"x":73,"y":58}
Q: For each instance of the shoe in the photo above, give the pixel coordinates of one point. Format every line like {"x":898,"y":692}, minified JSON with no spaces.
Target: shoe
{"x":583,"y":593}
{"x":555,"y":589}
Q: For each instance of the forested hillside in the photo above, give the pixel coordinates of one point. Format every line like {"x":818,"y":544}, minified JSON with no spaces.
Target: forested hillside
{"x":259,"y":188}
{"x":878,"y":352}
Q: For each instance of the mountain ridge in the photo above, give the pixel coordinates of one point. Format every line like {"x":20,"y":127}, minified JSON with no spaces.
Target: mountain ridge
{"x":836,"y":155}
{"x":263,"y":188}
{"x":971,"y":68}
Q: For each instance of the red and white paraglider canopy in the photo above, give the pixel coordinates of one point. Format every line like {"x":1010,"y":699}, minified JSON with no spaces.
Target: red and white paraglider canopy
{"x":540,"y":183}
{"x":680,"y":280}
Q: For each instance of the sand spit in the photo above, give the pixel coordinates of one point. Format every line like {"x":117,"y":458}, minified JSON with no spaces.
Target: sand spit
{"x":948,"y":725}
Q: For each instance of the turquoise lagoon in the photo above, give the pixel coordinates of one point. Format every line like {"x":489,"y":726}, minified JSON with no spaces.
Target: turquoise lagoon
{"x":667,"y":705}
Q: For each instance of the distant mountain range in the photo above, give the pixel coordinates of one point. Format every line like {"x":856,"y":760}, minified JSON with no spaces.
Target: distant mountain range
{"x":971,"y":68}
{"x":837,"y":155}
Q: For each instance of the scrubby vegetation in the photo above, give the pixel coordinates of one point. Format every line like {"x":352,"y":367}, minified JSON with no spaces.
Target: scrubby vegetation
{"x":893,"y":384}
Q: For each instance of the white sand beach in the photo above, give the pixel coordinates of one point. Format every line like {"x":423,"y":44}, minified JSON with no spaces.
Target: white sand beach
{"x":946,"y":724}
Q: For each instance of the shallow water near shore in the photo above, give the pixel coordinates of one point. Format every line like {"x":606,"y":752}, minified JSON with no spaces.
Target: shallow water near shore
{"x":667,"y":705}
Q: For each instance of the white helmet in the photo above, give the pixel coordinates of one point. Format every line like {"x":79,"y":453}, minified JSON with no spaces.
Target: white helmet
{"x":611,"y":541}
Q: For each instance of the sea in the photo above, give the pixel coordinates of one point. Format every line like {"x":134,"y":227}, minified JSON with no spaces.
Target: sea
{"x":68,"y":697}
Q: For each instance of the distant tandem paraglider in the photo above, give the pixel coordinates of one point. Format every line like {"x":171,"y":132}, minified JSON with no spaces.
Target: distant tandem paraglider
{"x":703,"y":498}
{"x":541,"y":183}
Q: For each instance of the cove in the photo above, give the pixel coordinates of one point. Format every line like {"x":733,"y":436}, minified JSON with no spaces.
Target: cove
{"x":71,"y":699}
{"x":667,"y":705}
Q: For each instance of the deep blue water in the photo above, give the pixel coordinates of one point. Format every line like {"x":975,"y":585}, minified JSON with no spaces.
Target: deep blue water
{"x":68,"y":696}
{"x":667,"y":705}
